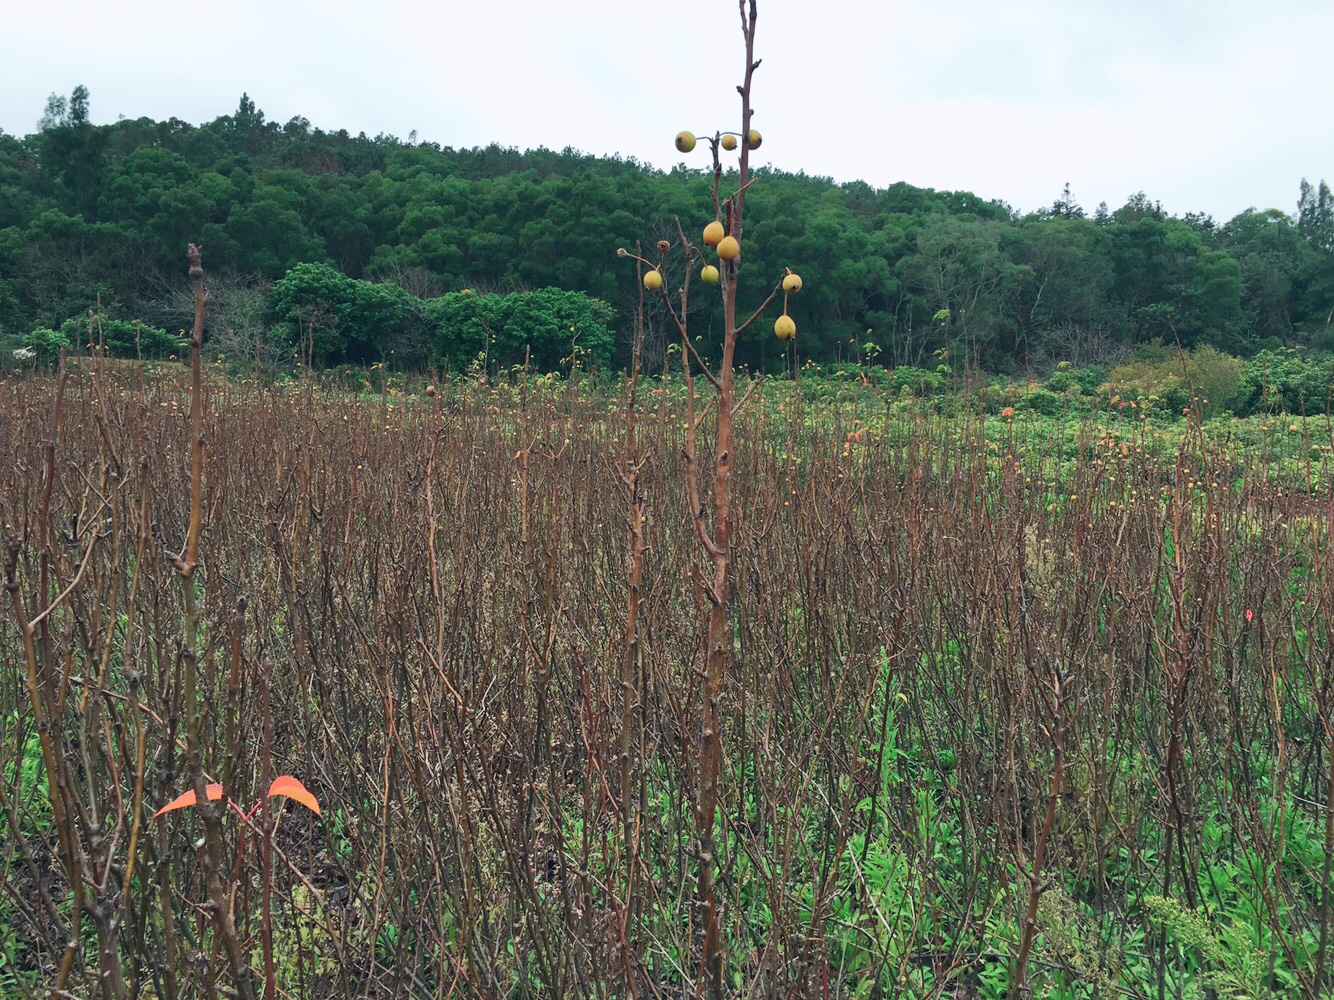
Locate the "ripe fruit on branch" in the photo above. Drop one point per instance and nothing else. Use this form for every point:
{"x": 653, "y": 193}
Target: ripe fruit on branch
{"x": 729, "y": 142}
{"x": 785, "y": 328}
{"x": 728, "y": 248}
{"x": 685, "y": 141}
{"x": 792, "y": 283}
{"x": 709, "y": 274}
{"x": 753, "y": 138}
{"x": 653, "y": 280}
{"x": 713, "y": 233}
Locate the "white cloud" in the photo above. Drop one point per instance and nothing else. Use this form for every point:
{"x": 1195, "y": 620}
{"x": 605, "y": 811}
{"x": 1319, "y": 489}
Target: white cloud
{"x": 1206, "y": 105}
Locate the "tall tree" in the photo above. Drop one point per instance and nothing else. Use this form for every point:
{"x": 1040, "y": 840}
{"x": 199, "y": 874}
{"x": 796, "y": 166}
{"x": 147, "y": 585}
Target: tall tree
{"x": 1065, "y": 207}
{"x": 961, "y": 275}
{"x": 1315, "y": 215}
{"x": 1271, "y": 253}
{"x": 1069, "y": 275}
{"x": 1315, "y": 222}
{"x": 73, "y": 154}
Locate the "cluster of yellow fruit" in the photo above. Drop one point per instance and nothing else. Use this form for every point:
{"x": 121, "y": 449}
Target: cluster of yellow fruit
{"x": 727, "y": 246}
{"x": 685, "y": 141}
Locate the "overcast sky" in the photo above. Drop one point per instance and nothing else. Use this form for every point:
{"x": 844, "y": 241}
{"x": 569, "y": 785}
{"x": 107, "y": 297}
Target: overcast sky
{"x": 1205, "y": 105}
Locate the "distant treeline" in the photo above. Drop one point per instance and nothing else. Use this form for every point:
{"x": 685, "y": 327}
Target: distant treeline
{"x": 362, "y": 249}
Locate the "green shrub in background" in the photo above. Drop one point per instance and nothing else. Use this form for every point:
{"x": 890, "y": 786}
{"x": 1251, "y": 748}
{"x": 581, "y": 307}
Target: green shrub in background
{"x": 1159, "y": 383}
{"x": 341, "y": 320}
{"x": 1166, "y": 379}
{"x": 1216, "y": 378}
{"x": 463, "y": 325}
{"x": 124, "y": 338}
{"x": 1090, "y": 377}
{"x": 1063, "y": 379}
{"x": 993, "y": 397}
{"x": 919, "y": 381}
{"x": 1290, "y": 380}
{"x": 559, "y": 328}
{"x": 1084, "y": 381}
{"x": 850, "y": 371}
{"x": 1040, "y": 401}
{"x": 45, "y": 344}
{"x": 350, "y": 321}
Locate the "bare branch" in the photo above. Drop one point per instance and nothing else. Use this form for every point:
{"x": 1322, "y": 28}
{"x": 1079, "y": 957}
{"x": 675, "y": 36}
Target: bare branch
{"x": 750, "y": 391}
{"x": 763, "y": 306}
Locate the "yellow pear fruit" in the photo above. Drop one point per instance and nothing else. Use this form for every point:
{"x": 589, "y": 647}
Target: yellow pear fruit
{"x": 753, "y": 138}
{"x": 685, "y": 141}
{"x": 792, "y": 283}
{"x": 785, "y": 328}
{"x": 728, "y": 248}
{"x": 709, "y": 274}
{"x": 713, "y": 233}
{"x": 653, "y": 280}
{"x": 729, "y": 142}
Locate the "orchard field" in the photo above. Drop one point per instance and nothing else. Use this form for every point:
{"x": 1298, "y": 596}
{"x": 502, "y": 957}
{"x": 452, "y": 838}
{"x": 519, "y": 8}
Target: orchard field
{"x": 1005, "y": 690}
{"x": 635, "y": 653}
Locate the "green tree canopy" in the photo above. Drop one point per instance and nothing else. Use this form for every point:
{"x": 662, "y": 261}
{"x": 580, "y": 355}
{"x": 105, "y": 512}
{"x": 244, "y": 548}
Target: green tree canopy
{"x": 89, "y": 211}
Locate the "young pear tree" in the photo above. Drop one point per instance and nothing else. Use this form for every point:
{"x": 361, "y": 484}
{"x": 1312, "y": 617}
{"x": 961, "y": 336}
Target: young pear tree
{"x": 719, "y": 263}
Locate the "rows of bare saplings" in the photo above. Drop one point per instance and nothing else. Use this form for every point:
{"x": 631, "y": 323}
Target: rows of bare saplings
{"x": 966, "y": 724}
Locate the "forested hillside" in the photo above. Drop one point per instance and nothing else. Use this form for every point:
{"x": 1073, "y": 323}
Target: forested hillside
{"x": 386, "y": 250}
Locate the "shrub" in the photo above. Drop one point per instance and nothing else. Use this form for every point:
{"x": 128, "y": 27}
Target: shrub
{"x": 124, "y": 338}
{"x": 462, "y": 327}
{"x": 1216, "y": 378}
{"x": 847, "y": 374}
{"x": 45, "y": 344}
{"x": 557, "y": 326}
{"x": 1061, "y": 380}
{"x": 1041, "y": 401}
{"x": 1090, "y": 377}
{"x": 992, "y": 398}
{"x": 1290, "y": 380}
{"x": 1149, "y": 381}
{"x": 14, "y": 352}
{"x": 917, "y": 380}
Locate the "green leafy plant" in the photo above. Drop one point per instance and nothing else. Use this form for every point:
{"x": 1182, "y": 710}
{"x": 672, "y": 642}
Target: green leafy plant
{"x": 45, "y": 344}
